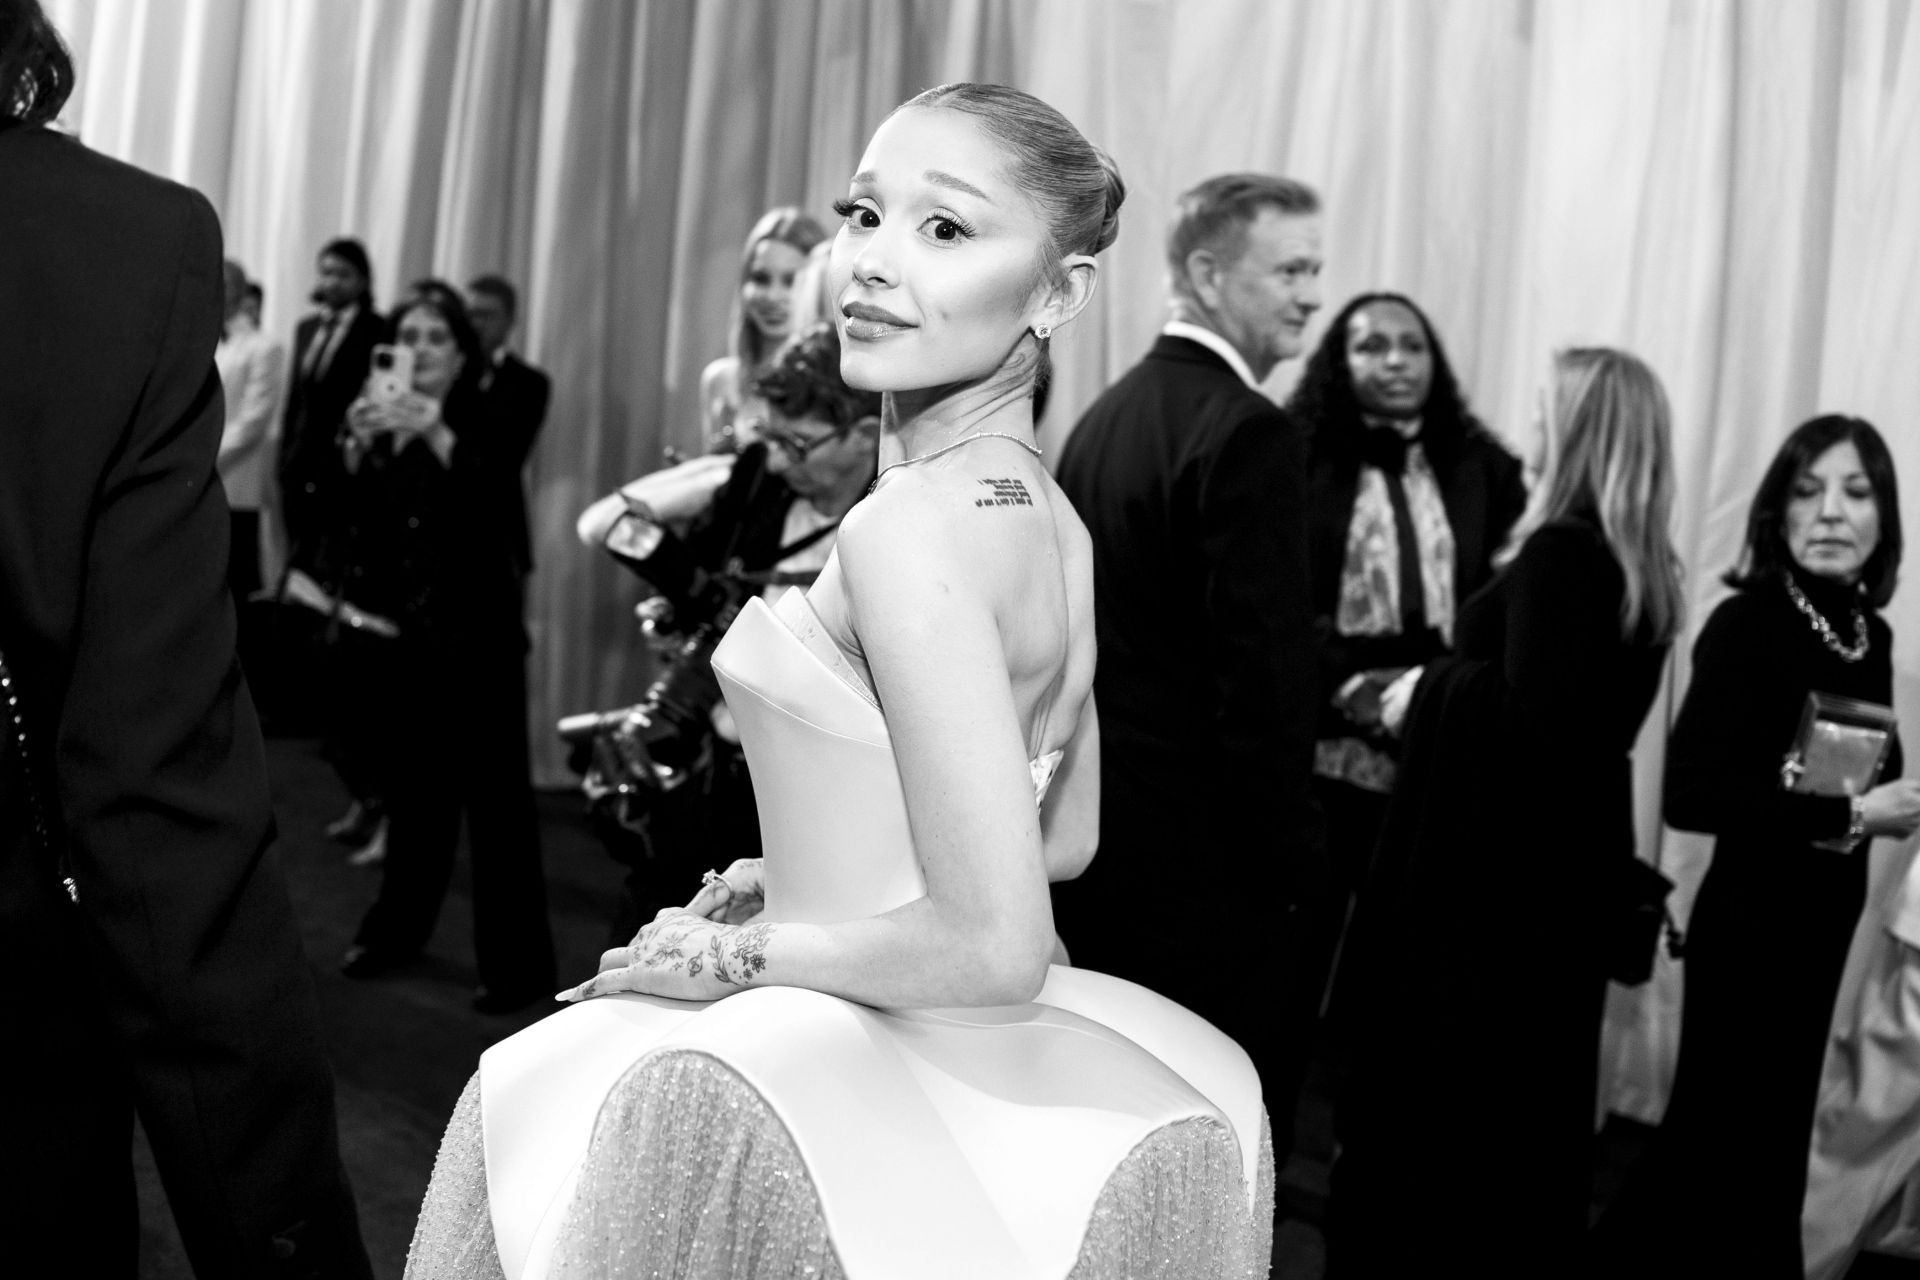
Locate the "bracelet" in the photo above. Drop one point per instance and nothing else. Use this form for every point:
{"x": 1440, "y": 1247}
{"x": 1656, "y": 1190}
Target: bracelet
{"x": 1856, "y": 820}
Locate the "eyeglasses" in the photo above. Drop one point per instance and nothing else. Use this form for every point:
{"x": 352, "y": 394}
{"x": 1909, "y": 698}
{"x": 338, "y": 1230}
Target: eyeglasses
{"x": 795, "y": 445}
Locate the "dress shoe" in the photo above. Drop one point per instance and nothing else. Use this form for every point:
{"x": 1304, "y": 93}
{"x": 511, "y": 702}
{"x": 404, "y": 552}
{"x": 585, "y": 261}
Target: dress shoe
{"x": 489, "y": 1001}
{"x": 374, "y": 851}
{"x": 362, "y": 962}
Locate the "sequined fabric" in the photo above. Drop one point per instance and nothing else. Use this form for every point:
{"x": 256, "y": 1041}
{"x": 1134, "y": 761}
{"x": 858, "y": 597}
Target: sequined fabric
{"x": 453, "y": 1239}
{"x": 690, "y": 1174}
{"x": 1177, "y": 1207}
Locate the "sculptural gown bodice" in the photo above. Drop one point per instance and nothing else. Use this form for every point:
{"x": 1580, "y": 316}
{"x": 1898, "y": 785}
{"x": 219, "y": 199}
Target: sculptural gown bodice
{"x": 940, "y": 1142}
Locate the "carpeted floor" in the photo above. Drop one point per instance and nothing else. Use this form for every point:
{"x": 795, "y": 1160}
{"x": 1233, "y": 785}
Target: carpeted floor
{"x": 404, "y": 1045}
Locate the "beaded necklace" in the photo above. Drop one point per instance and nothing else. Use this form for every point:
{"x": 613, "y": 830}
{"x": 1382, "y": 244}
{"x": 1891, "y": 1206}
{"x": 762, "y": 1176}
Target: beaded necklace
{"x": 948, "y": 448}
{"x": 1824, "y": 629}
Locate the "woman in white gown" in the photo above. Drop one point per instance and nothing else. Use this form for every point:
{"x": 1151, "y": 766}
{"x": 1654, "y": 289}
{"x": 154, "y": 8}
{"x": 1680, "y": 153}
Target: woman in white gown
{"x": 897, "y": 1081}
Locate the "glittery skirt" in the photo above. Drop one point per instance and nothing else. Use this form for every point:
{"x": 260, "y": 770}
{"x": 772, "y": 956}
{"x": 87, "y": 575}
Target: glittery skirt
{"x": 691, "y": 1170}
{"x": 691, "y": 1175}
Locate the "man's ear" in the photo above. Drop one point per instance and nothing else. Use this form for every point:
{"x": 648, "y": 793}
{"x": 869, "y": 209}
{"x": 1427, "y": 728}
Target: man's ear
{"x": 1070, "y": 296}
{"x": 1201, "y": 273}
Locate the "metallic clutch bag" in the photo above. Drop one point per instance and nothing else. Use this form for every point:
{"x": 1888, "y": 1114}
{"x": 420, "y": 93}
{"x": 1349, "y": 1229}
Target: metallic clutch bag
{"x": 1839, "y": 751}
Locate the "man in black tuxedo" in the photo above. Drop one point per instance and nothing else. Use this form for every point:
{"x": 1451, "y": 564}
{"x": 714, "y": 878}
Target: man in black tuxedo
{"x": 1193, "y": 485}
{"x": 517, "y": 391}
{"x": 150, "y": 963}
{"x": 331, "y": 351}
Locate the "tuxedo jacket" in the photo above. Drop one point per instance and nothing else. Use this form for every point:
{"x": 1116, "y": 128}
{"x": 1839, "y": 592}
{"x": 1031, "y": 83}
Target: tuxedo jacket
{"x": 181, "y": 948}
{"x": 1193, "y": 487}
{"x": 311, "y": 473}
{"x": 518, "y": 396}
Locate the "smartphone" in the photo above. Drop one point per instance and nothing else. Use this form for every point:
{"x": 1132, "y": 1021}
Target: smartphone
{"x": 392, "y": 373}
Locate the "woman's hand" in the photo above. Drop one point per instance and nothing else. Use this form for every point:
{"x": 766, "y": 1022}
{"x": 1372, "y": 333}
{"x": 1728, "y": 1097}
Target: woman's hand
{"x": 734, "y": 897}
{"x": 412, "y": 415}
{"x": 1396, "y": 698}
{"x": 1892, "y": 809}
{"x": 682, "y": 956}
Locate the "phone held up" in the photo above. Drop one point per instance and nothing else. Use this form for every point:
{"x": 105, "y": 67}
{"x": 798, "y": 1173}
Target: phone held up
{"x": 392, "y": 374}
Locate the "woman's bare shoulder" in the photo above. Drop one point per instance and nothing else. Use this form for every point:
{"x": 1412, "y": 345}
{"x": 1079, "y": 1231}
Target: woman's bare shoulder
{"x": 721, "y": 377}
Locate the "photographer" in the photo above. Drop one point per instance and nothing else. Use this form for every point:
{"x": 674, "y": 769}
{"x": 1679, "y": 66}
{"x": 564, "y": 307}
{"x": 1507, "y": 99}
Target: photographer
{"x": 707, "y": 535}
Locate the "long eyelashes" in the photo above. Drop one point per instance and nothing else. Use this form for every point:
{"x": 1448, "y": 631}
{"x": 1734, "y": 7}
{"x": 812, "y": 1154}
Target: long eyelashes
{"x": 850, "y": 211}
{"x": 948, "y": 219}
{"x": 847, "y": 209}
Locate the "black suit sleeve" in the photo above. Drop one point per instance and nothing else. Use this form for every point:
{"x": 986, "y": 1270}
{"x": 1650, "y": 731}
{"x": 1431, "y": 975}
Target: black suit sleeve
{"x": 162, "y": 789}
{"x": 526, "y": 413}
{"x": 1261, "y": 647}
{"x": 1723, "y": 763}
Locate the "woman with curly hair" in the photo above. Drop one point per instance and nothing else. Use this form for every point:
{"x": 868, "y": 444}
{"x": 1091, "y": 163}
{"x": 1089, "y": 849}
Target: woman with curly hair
{"x": 1410, "y": 498}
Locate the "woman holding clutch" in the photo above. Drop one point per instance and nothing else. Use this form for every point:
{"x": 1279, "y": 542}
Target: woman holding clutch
{"x": 1479, "y": 945}
{"x": 1720, "y": 1193}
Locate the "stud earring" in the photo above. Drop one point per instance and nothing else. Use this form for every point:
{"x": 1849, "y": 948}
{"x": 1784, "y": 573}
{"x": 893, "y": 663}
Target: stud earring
{"x": 1043, "y": 331}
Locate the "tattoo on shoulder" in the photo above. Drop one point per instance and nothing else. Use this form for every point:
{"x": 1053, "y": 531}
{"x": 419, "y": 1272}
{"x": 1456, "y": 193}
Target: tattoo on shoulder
{"x": 1005, "y": 493}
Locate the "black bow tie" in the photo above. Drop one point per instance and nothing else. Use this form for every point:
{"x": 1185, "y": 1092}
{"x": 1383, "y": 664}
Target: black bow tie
{"x": 1385, "y": 448}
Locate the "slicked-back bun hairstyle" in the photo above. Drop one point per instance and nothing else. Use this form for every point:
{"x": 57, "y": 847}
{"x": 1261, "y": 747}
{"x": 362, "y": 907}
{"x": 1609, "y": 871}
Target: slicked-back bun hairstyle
{"x": 1074, "y": 183}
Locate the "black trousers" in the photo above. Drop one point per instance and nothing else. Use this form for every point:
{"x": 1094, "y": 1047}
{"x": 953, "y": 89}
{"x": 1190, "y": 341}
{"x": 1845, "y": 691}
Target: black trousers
{"x": 452, "y": 744}
{"x": 217, "y": 1052}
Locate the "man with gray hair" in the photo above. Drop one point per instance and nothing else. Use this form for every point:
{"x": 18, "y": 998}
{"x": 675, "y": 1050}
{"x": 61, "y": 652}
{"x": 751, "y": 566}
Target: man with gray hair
{"x": 1193, "y": 485}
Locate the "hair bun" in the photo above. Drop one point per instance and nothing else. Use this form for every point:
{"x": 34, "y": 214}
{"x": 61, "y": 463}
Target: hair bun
{"x": 1116, "y": 196}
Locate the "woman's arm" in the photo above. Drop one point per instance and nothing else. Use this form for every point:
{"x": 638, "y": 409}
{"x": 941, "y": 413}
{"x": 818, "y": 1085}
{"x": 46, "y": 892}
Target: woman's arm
{"x": 1723, "y": 759}
{"x": 1070, "y": 819}
{"x": 921, "y": 587}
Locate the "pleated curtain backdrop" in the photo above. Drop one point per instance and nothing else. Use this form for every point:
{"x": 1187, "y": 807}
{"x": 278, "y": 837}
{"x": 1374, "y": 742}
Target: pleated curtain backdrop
{"x": 1730, "y": 189}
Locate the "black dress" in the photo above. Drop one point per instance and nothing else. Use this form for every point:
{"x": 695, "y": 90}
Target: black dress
{"x": 1478, "y": 970}
{"x": 1721, "y": 1190}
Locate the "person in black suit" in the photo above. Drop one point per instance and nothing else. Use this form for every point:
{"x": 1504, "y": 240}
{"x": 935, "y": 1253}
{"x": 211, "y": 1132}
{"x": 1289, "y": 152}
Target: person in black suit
{"x": 1409, "y": 499}
{"x": 164, "y": 979}
{"x": 1483, "y": 941}
{"x": 432, "y": 477}
{"x": 331, "y": 348}
{"x": 1193, "y": 485}
{"x": 520, "y": 392}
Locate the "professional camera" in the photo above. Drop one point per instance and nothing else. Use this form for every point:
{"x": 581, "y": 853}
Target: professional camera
{"x": 630, "y": 756}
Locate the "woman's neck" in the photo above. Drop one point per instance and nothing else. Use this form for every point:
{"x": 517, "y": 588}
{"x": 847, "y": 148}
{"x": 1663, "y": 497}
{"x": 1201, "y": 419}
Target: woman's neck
{"x": 1408, "y": 427}
{"x": 914, "y": 423}
{"x": 1834, "y": 597}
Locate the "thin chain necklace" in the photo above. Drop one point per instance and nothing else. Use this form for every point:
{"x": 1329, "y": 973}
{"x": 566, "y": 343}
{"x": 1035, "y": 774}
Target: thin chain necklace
{"x": 948, "y": 448}
{"x": 1822, "y": 628}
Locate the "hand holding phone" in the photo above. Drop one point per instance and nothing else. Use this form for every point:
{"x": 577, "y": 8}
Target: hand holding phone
{"x": 391, "y": 376}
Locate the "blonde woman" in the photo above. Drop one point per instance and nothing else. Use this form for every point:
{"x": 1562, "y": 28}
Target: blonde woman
{"x": 1481, "y": 950}
{"x": 775, "y": 251}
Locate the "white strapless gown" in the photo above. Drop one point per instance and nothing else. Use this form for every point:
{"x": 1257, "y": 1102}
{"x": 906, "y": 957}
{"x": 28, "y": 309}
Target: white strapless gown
{"x": 1100, "y": 1131}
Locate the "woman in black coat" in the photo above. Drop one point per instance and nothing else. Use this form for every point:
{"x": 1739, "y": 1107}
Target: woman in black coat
{"x": 1480, "y": 943}
{"x": 1409, "y": 499}
{"x": 434, "y": 484}
{"x": 1721, "y": 1190}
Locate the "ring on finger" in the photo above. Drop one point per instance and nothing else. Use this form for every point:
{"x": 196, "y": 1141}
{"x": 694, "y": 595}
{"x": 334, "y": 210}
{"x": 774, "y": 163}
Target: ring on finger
{"x": 714, "y": 877}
